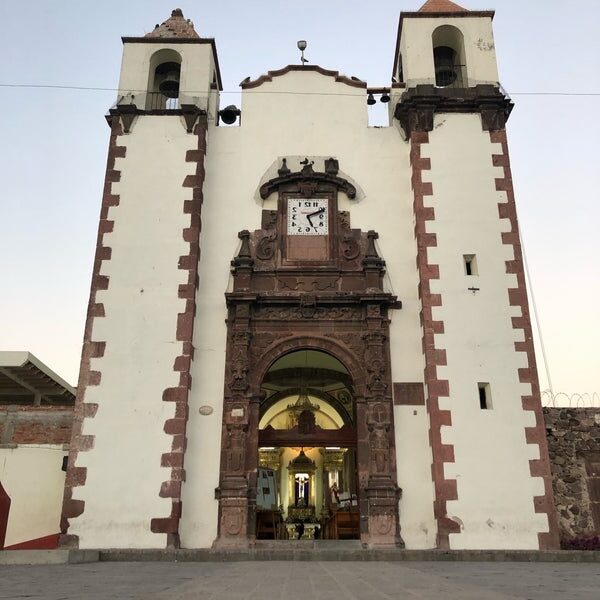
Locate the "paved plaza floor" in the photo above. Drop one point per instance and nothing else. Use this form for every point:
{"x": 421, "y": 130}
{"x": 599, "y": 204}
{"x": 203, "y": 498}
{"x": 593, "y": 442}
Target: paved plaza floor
{"x": 302, "y": 580}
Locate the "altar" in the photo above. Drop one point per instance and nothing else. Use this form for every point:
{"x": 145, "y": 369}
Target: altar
{"x": 312, "y": 531}
{"x": 301, "y": 513}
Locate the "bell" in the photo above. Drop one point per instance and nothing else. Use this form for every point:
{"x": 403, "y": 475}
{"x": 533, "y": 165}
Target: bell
{"x": 445, "y": 70}
{"x": 169, "y": 86}
{"x": 371, "y": 100}
{"x": 167, "y": 77}
{"x": 385, "y": 98}
{"x": 229, "y": 114}
{"x": 445, "y": 76}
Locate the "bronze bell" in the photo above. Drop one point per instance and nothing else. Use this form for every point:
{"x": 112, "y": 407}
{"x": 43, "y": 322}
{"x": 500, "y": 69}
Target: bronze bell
{"x": 229, "y": 114}
{"x": 169, "y": 86}
{"x": 167, "y": 76}
{"x": 445, "y": 69}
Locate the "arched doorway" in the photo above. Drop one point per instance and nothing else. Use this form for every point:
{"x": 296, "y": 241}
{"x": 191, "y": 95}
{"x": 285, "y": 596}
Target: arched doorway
{"x": 307, "y": 484}
{"x": 369, "y": 434}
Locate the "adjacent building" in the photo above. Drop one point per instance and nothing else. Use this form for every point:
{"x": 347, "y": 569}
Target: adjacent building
{"x": 36, "y": 415}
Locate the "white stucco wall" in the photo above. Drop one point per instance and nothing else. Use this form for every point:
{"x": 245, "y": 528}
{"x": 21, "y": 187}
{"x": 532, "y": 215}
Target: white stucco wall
{"x": 300, "y": 114}
{"x": 33, "y": 478}
{"x": 418, "y": 526}
{"x": 124, "y": 475}
{"x": 495, "y": 490}
{"x": 416, "y": 47}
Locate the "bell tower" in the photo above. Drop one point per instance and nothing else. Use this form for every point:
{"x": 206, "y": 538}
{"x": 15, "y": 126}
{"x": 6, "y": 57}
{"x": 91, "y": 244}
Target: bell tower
{"x": 490, "y": 466}
{"x": 126, "y": 464}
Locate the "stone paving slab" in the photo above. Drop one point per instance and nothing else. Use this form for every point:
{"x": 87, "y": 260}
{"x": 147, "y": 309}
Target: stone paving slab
{"x": 306, "y": 580}
{"x": 47, "y": 557}
{"x": 34, "y": 557}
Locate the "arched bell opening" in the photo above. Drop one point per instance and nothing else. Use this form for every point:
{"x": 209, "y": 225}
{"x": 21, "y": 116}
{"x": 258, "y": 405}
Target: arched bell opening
{"x": 307, "y": 485}
{"x": 449, "y": 57}
{"x": 164, "y": 80}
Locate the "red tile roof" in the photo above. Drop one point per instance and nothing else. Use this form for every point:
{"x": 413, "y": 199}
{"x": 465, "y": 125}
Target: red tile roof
{"x": 174, "y": 27}
{"x": 442, "y": 6}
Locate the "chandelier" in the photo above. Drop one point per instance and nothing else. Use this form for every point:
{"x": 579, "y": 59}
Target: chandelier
{"x": 301, "y": 405}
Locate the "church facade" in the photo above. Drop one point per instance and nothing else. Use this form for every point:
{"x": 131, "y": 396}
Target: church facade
{"x": 303, "y": 326}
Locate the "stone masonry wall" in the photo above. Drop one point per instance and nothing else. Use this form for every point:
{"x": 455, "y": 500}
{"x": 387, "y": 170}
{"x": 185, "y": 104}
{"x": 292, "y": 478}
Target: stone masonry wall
{"x": 35, "y": 424}
{"x": 574, "y": 446}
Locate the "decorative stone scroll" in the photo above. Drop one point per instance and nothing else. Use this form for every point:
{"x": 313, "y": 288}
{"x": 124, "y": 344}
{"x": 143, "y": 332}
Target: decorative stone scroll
{"x": 307, "y": 180}
{"x": 265, "y": 248}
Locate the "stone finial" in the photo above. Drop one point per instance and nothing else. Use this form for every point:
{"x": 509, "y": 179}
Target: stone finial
{"x": 371, "y": 250}
{"x": 332, "y": 167}
{"x": 176, "y": 26}
{"x": 441, "y": 6}
{"x": 284, "y": 170}
{"x": 244, "y": 257}
{"x": 372, "y": 260}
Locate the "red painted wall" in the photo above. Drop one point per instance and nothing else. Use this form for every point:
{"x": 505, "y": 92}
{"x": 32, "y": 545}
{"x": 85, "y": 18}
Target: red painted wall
{"x": 4, "y": 510}
{"x": 50, "y": 542}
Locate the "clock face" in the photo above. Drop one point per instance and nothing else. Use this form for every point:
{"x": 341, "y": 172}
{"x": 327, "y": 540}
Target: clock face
{"x": 308, "y": 217}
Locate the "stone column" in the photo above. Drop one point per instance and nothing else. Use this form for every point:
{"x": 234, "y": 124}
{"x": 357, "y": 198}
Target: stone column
{"x": 381, "y": 492}
{"x": 240, "y": 431}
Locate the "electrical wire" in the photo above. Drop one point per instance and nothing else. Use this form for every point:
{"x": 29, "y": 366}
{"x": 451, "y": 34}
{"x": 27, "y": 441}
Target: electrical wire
{"x": 535, "y": 312}
{"x": 110, "y": 89}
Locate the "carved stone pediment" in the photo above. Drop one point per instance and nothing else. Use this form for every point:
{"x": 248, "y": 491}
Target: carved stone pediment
{"x": 306, "y": 182}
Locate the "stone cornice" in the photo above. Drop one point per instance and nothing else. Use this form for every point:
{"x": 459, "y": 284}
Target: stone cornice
{"x": 417, "y": 106}
{"x": 353, "y": 82}
{"x": 127, "y": 113}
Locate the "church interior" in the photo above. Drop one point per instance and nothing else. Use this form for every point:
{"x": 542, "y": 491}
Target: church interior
{"x": 307, "y": 479}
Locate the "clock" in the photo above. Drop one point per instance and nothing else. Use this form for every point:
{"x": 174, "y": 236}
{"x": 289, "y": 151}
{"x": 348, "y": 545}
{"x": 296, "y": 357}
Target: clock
{"x": 307, "y": 217}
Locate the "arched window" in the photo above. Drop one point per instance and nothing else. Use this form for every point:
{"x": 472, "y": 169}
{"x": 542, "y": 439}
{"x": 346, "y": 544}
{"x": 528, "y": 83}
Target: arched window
{"x": 163, "y": 80}
{"x": 449, "y": 57}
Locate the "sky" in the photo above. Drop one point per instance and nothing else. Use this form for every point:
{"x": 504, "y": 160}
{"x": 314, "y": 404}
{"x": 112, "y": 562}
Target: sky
{"x": 53, "y": 144}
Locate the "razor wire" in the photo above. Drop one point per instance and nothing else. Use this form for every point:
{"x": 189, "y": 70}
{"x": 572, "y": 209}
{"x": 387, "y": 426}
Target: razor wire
{"x": 565, "y": 400}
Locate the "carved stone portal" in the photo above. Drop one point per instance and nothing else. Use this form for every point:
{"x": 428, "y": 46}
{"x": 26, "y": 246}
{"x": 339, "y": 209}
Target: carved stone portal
{"x": 336, "y": 304}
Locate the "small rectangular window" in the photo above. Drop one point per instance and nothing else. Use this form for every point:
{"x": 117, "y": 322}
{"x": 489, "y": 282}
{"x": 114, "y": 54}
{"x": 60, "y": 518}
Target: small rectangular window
{"x": 470, "y": 262}
{"x": 485, "y": 396}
